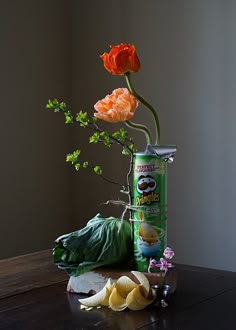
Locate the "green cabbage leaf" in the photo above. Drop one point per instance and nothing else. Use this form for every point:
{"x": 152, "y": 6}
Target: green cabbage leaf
{"x": 103, "y": 241}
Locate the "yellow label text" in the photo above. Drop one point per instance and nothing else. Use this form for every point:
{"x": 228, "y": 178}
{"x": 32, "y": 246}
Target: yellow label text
{"x": 148, "y": 199}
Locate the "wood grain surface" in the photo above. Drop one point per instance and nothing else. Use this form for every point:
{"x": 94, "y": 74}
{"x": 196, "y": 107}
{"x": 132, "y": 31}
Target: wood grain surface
{"x": 26, "y": 272}
{"x": 34, "y": 297}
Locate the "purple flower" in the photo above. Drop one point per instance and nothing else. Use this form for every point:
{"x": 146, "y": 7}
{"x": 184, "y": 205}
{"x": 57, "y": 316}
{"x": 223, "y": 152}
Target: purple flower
{"x": 153, "y": 263}
{"x": 168, "y": 253}
{"x": 164, "y": 265}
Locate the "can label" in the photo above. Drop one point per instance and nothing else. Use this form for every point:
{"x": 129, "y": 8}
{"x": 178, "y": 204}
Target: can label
{"x": 150, "y": 209}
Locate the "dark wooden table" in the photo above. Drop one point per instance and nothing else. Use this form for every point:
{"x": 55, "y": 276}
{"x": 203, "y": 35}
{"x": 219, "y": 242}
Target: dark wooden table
{"x": 33, "y": 296}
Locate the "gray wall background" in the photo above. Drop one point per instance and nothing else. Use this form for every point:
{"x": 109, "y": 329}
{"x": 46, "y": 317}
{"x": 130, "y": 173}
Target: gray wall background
{"x": 51, "y": 49}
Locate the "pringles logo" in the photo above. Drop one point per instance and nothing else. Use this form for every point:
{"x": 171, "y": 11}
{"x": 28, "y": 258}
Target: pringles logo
{"x": 146, "y": 186}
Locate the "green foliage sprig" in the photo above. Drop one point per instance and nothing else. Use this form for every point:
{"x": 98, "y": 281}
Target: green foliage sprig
{"x": 98, "y": 135}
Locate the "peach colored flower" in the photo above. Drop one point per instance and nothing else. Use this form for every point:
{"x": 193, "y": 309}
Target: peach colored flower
{"x": 119, "y": 106}
{"x": 121, "y": 59}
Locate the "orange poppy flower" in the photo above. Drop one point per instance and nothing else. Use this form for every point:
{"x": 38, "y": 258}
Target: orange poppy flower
{"x": 121, "y": 59}
{"x": 119, "y": 106}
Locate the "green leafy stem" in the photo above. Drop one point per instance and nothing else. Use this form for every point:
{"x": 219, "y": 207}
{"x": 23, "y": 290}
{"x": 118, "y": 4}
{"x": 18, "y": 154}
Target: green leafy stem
{"x": 99, "y": 136}
{"x": 73, "y": 158}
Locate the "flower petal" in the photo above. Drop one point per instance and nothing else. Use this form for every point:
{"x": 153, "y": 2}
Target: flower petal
{"x": 117, "y": 107}
{"x": 121, "y": 59}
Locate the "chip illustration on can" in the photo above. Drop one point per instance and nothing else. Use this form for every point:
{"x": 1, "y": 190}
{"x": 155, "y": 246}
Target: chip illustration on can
{"x": 150, "y": 208}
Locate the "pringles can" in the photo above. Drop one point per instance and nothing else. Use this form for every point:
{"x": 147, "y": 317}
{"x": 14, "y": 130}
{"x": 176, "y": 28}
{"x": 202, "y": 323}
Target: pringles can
{"x": 149, "y": 216}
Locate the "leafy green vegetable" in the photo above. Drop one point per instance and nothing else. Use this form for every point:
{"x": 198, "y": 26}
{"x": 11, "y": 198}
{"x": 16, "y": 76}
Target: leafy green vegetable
{"x": 98, "y": 244}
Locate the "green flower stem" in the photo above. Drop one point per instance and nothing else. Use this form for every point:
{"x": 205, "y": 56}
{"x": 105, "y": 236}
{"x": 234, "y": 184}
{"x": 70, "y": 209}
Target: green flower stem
{"x": 142, "y": 128}
{"x": 144, "y": 102}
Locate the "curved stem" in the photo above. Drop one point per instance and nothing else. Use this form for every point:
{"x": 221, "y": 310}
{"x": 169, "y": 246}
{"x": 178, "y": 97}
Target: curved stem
{"x": 144, "y": 102}
{"x": 142, "y": 128}
{"x": 107, "y": 180}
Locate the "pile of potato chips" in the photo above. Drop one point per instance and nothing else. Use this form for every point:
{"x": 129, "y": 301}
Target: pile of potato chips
{"x": 122, "y": 294}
